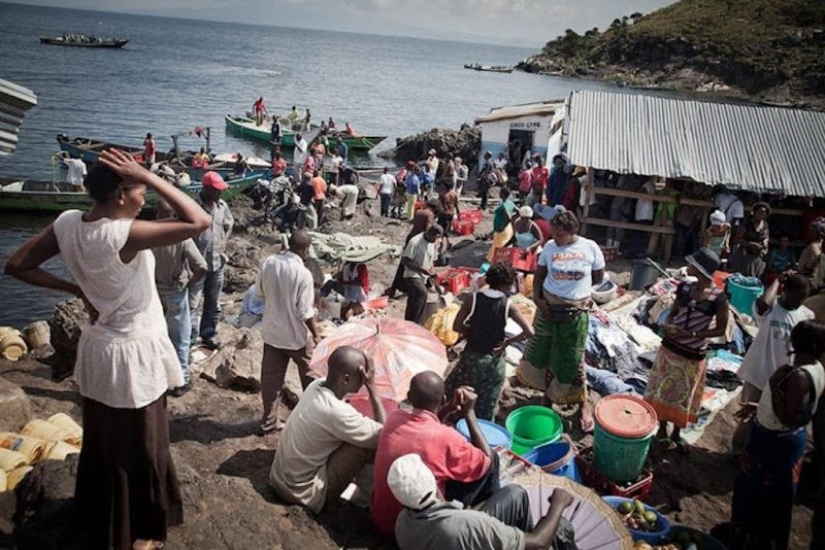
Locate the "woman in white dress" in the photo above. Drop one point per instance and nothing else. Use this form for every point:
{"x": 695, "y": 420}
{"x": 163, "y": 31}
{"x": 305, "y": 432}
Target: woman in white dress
{"x": 126, "y": 488}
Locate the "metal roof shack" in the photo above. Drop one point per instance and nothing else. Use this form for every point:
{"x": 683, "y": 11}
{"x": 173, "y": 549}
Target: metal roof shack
{"x": 14, "y": 102}
{"x": 748, "y": 147}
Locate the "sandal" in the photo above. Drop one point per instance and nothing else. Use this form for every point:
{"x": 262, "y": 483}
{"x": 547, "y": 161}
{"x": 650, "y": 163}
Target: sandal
{"x": 682, "y": 446}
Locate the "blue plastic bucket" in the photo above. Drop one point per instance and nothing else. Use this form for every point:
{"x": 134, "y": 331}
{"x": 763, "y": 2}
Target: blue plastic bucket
{"x": 557, "y": 458}
{"x": 743, "y": 297}
{"x": 497, "y": 436}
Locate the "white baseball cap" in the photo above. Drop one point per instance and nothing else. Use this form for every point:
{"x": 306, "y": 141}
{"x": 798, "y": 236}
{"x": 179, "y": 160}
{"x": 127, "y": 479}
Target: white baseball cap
{"x": 412, "y": 482}
{"x": 717, "y": 218}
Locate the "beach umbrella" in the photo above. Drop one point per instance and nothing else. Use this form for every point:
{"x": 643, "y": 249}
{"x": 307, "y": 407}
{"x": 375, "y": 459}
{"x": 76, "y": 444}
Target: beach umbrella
{"x": 399, "y": 349}
{"x": 596, "y": 524}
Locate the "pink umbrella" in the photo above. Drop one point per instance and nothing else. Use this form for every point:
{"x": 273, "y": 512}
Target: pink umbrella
{"x": 399, "y": 350}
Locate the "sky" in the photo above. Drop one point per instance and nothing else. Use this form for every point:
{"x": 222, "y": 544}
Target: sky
{"x": 527, "y": 23}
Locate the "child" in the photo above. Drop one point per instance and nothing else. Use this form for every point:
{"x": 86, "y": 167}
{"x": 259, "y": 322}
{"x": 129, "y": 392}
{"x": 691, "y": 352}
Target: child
{"x": 448, "y": 207}
{"x": 717, "y": 236}
{"x": 354, "y": 285}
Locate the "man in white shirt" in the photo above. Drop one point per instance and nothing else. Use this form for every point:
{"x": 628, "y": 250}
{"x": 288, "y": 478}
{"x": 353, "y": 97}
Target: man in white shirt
{"x": 776, "y": 318}
{"x": 326, "y": 442}
{"x": 644, "y": 215}
{"x": 299, "y": 155}
{"x": 730, "y": 205}
{"x": 386, "y": 188}
{"x": 288, "y": 324}
{"x": 418, "y": 261}
{"x": 76, "y": 173}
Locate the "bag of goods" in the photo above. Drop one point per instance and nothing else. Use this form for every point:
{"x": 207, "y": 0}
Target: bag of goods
{"x": 14, "y": 477}
{"x": 525, "y": 305}
{"x": 44, "y": 430}
{"x": 68, "y": 425}
{"x": 60, "y": 450}
{"x": 2, "y": 481}
{"x": 9, "y": 460}
{"x": 440, "y": 324}
{"x": 30, "y": 447}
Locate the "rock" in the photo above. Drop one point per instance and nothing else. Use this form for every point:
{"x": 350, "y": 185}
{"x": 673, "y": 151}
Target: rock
{"x": 66, "y": 326}
{"x": 237, "y": 365}
{"x": 461, "y": 143}
{"x": 44, "y": 515}
{"x": 244, "y": 260}
{"x": 15, "y": 408}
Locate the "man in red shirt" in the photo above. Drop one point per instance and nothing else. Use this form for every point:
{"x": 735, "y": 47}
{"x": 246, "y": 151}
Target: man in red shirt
{"x": 539, "y": 181}
{"x": 278, "y": 165}
{"x": 465, "y": 471}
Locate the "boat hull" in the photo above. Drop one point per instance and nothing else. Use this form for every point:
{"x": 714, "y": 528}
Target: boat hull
{"x": 41, "y": 196}
{"x": 77, "y": 44}
{"x": 246, "y": 127}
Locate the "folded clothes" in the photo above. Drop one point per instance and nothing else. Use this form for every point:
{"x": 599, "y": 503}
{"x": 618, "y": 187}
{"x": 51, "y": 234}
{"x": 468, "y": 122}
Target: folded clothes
{"x": 607, "y": 383}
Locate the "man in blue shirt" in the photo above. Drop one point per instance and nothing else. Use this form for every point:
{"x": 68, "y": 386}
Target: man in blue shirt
{"x": 341, "y": 148}
{"x": 427, "y": 181}
{"x": 413, "y": 189}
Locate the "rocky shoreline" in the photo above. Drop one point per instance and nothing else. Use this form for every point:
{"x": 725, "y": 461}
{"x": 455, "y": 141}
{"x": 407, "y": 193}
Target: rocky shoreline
{"x": 224, "y": 467}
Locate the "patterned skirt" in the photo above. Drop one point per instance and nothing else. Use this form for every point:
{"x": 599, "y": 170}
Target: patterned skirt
{"x": 484, "y": 372}
{"x": 675, "y": 387}
{"x": 556, "y": 354}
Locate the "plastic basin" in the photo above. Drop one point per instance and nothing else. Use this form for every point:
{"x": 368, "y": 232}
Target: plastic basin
{"x": 743, "y": 297}
{"x": 557, "y": 458}
{"x": 625, "y": 425}
{"x": 532, "y": 426}
{"x": 663, "y": 528}
{"x": 495, "y": 435}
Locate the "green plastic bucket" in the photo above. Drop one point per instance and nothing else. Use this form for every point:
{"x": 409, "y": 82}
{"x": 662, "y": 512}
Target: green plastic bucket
{"x": 532, "y": 426}
{"x": 625, "y": 425}
{"x": 743, "y": 297}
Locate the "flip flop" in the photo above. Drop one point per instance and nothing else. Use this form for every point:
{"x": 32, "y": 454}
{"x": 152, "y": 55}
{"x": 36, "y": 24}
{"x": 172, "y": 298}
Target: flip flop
{"x": 682, "y": 446}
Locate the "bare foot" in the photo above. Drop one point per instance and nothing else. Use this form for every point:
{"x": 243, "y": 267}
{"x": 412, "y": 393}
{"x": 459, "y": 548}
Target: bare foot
{"x": 587, "y": 418}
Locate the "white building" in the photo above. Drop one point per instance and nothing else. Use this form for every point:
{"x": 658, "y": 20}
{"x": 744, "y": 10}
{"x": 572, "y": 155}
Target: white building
{"x": 536, "y": 127}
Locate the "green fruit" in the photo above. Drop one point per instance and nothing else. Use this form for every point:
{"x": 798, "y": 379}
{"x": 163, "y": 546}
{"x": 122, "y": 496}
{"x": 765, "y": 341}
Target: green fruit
{"x": 651, "y": 517}
{"x": 625, "y": 508}
{"x": 640, "y": 508}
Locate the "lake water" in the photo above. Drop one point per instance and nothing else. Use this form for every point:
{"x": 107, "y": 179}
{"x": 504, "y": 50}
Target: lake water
{"x": 177, "y": 74}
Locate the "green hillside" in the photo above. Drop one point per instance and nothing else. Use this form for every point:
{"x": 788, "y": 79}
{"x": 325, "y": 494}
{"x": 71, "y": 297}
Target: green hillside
{"x": 771, "y": 50}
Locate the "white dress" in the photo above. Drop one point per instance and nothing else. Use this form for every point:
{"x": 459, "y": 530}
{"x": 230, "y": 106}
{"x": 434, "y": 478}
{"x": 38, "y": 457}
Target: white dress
{"x": 125, "y": 359}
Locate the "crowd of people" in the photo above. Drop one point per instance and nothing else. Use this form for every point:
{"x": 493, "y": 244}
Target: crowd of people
{"x": 153, "y": 289}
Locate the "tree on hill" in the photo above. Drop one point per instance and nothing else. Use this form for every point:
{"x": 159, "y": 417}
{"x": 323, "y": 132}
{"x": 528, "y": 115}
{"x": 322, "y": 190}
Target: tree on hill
{"x": 634, "y": 17}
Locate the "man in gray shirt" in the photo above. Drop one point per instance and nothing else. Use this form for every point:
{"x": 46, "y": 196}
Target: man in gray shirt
{"x": 212, "y": 245}
{"x": 503, "y": 522}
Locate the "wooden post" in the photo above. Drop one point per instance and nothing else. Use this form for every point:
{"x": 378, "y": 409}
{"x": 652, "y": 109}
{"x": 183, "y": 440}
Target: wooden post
{"x": 588, "y": 186}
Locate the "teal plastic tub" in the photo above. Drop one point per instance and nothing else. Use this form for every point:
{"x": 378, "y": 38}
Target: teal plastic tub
{"x": 532, "y": 426}
{"x": 743, "y": 297}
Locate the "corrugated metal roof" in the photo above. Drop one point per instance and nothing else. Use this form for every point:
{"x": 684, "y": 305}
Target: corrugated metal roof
{"x": 14, "y": 102}
{"x": 765, "y": 149}
{"x": 544, "y": 108}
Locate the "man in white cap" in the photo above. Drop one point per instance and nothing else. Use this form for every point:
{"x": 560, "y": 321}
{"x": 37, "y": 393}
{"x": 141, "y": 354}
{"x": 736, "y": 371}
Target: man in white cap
{"x": 504, "y": 521}
{"x": 212, "y": 246}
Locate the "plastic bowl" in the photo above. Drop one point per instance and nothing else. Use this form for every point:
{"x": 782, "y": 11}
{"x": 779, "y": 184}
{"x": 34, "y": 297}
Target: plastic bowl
{"x": 654, "y": 537}
{"x": 532, "y": 426}
{"x": 496, "y": 435}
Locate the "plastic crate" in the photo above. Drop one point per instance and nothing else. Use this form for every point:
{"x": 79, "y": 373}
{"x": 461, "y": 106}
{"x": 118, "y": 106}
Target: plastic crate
{"x": 474, "y": 216}
{"x": 610, "y": 253}
{"x": 464, "y": 227}
{"x": 517, "y": 258}
{"x": 453, "y": 280}
{"x": 603, "y": 485}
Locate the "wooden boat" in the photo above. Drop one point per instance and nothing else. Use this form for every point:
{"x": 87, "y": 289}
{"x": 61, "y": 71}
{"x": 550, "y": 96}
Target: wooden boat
{"x": 489, "y": 68}
{"x": 88, "y": 150}
{"x": 82, "y": 41}
{"x": 25, "y": 195}
{"x": 245, "y": 126}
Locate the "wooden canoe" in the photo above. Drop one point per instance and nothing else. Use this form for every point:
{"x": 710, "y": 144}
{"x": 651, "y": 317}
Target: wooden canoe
{"x": 103, "y": 43}
{"x": 25, "y": 195}
{"x": 246, "y": 127}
